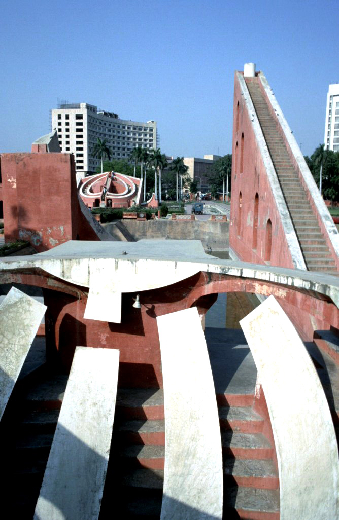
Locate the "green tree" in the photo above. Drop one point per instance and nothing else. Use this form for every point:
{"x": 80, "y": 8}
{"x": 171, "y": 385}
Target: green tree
{"x": 193, "y": 187}
{"x": 100, "y": 150}
{"x": 222, "y": 169}
{"x": 324, "y": 165}
{"x": 120, "y": 166}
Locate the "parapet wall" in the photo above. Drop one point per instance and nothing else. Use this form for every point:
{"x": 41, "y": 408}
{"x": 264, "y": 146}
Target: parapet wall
{"x": 213, "y": 234}
{"x": 41, "y": 203}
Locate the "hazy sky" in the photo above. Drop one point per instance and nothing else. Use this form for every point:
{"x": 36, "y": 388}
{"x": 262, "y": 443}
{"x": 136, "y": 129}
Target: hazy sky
{"x": 168, "y": 60}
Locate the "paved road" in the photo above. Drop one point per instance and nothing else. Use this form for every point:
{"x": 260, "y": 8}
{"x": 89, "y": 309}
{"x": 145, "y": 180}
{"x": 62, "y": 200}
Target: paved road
{"x": 210, "y": 208}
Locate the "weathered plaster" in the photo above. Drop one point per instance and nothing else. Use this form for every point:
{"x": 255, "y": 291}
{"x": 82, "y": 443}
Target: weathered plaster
{"x": 132, "y": 267}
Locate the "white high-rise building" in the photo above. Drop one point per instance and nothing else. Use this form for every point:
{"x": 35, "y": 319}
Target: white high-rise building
{"x": 79, "y": 125}
{"x": 331, "y": 138}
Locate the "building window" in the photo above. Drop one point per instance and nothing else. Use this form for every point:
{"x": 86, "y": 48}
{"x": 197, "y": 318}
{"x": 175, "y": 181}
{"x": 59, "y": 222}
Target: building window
{"x": 67, "y": 149}
{"x": 79, "y": 123}
{"x": 67, "y": 116}
{"x": 80, "y": 155}
{"x": 79, "y": 116}
{"x": 59, "y": 116}
{"x": 79, "y": 142}
{"x": 67, "y": 142}
{"x": 79, "y": 149}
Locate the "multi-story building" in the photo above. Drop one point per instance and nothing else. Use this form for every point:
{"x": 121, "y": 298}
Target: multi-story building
{"x": 200, "y": 170}
{"x": 331, "y": 138}
{"x": 79, "y": 125}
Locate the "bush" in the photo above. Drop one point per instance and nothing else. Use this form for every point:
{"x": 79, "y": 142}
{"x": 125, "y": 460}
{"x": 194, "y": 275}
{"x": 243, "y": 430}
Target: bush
{"x": 163, "y": 210}
{"x": 110, "y": 214}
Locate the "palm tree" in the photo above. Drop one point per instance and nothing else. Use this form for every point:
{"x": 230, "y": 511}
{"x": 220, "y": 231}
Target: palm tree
{"x": 134, "y": 158}
{"x": 143, "y": 156}
{"x": 146, "y": 163}
{"x": 159, "y": 162}
{"x": 101, "y": 149}
{"x": 180, "y": 168}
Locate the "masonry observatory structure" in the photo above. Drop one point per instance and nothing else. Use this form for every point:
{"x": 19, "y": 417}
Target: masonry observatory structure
{"x": 118, "y": 399}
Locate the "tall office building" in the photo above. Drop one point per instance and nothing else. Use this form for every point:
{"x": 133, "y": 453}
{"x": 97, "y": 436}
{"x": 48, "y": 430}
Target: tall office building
{"x": 79, "y": 125}
{"x": 331, "y": 138}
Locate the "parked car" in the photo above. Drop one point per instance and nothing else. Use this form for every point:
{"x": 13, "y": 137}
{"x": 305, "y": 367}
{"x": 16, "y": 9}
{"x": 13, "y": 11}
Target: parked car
{"x": 198, "y": 209}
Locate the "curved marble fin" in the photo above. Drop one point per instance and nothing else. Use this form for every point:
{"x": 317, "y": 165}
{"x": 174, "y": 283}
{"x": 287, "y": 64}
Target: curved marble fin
{"x": 301, "y": 421}
{"x": 193, "y": 487}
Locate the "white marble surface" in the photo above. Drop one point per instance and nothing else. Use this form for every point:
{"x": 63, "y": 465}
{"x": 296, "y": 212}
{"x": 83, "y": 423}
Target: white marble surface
{"x": 193, "y": 480}
{"x": 74, "y": 480}
{"x": 301, "y": 421}
{"x": 20, "y": 317}
{"x": 123, "y": 267}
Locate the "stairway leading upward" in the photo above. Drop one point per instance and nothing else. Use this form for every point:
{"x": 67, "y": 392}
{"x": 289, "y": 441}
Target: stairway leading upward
{"x": 313, "y": 245}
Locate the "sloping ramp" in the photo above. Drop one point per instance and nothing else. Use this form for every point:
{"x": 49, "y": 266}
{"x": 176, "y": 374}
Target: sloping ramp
{"x": 76, "y": 470}
{"x": 315, "y": 250}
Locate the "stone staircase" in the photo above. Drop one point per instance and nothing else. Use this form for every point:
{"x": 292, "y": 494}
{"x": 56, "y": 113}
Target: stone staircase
{"x": 135, "y": 473}
{"x": 137, "y": 459}
{"x": 134, "y": 481}
{"x": 313, "y": 245}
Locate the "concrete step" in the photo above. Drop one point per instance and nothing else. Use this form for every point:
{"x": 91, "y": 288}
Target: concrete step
{"x": 44, "y": 421}
{"x": 139, "y": 403}
{"x": 255, "y": 504}
{"x": 260, "y": 474}
{"x": 314, "y": 242}
{"x": 240, "y": 419}
{"x": 315, "y": 250}
{"x": 319, "y": 261}
{"x": 301, "y": 219}
{"x": 46, "y": 394}
{"x": 309, "y": 235}
{"x": 150, "y": 457}
{"x": 246, "y": 445}
{"x": 321, "y": 268}
{"x": 142, "y": 432}
{"x": 314, "y": 255}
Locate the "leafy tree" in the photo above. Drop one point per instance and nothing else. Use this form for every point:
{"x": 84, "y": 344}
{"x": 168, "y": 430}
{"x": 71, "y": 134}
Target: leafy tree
{"x": 324, "y": 165}
{"x": 100, "y": 150}
{"x": 120, "y": 166}
{"x": 193, "y": 187}
{"x": 222, "y": 169}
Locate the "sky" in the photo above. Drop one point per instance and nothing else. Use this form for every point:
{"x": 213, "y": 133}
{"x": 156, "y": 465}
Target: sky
{"x": 165, "y": 60}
